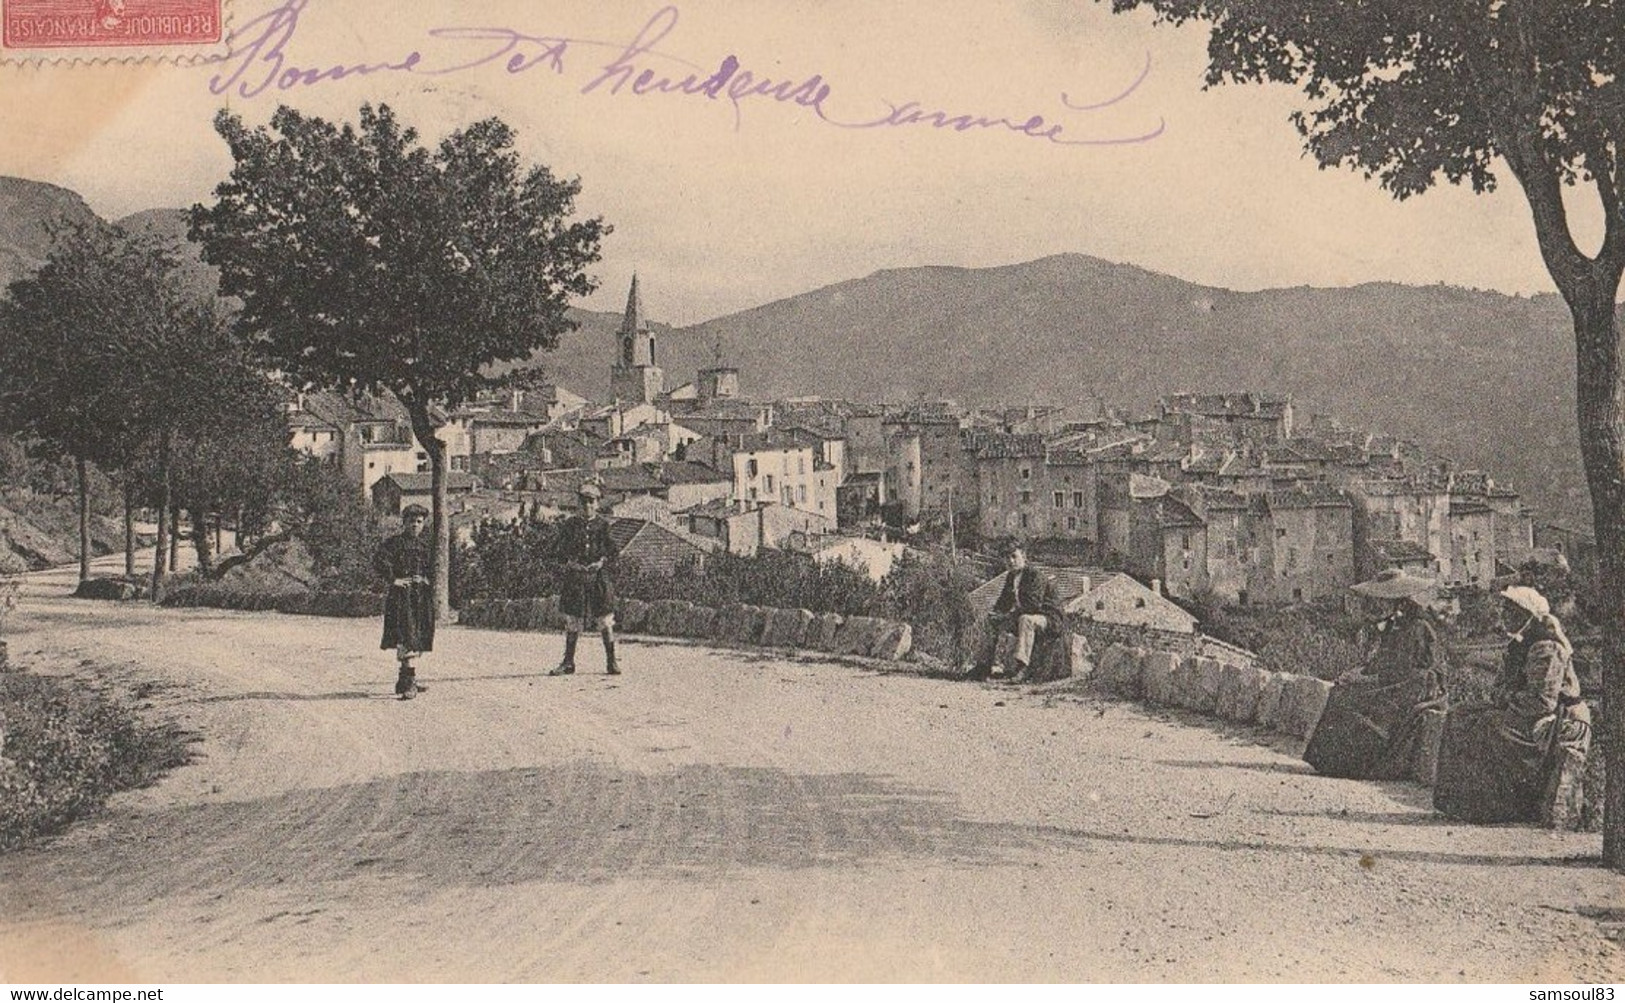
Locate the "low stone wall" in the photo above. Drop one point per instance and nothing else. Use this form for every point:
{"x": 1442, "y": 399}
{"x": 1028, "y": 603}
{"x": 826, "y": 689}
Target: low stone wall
{"x": 1280, "y": 701}
{"x": 744, "y": 626}
{"x": 1104, "y": 635}
{"x": 345, "y": 604}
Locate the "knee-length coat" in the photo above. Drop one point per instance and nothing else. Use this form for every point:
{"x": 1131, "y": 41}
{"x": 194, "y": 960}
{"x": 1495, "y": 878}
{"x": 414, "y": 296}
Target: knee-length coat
{"x": 588, "y": 593}
{"x": 405, "y": 562}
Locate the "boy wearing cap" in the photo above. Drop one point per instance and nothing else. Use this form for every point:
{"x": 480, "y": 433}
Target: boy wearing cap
{"x": 405, "y": 561}
{"x": 588, "y": 595}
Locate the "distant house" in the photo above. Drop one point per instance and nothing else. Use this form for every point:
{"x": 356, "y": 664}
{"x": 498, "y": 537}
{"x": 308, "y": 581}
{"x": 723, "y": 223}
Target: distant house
{"x": 745, "y": 528}
{"x": 648, "y": 548}
{"x": 869, "y": 556}
{"x": 394, "y": 492}
{"x": 1108, "y": 597}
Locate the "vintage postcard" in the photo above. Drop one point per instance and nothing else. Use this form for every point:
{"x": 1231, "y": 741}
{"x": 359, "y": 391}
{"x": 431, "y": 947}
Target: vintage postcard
{"x": 736, "y": 491}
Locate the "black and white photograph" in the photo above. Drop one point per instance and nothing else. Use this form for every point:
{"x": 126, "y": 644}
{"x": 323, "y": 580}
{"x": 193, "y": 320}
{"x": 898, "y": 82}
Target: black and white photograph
{"x": 833, "y": 491}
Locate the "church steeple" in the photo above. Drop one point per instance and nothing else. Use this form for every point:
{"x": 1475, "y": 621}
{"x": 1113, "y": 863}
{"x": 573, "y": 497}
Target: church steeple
{"x": 634, "y": 376}
{"x": 637, "y": 342}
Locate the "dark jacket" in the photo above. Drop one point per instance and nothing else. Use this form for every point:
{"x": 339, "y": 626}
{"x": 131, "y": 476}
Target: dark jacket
{"x": 1031, "y": 591}
{"x": 408, "y": 607}
{"x": 588, "y": 594}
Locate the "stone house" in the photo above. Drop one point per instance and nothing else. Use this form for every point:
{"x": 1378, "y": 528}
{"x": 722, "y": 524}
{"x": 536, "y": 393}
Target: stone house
{"x": 1313, "y": 543}
{"x": 654, "y": 549}
{"x": 395, "y": 491}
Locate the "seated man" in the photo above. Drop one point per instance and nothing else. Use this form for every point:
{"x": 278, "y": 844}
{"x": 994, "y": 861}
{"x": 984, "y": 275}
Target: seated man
{"x": 1029, "y": 608}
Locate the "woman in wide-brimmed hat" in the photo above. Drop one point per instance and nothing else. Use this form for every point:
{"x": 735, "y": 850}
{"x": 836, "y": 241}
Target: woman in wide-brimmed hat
{"x": 1520, "y": 756}
{"x": 1372, "y": 725}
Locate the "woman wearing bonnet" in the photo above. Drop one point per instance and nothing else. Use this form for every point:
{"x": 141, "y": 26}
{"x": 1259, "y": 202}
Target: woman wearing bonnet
{"x": 1520, "y": 756}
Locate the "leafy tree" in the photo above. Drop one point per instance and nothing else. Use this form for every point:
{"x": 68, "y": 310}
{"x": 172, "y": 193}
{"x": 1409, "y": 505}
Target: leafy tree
{"x": 1414, "y": 93}
{"x": 74, "y": 340}
{"x": 366, "y": 261}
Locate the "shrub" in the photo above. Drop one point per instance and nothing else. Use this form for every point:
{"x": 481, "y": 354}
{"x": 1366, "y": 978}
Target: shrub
{"x": 69, "y": 749}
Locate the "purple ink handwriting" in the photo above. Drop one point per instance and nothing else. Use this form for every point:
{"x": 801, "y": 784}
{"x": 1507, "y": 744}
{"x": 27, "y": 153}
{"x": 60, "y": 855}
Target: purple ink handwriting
{"x": 260, "y": 62}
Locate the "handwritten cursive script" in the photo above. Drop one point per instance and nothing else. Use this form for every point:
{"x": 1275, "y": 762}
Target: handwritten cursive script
{"x": 259, "y": 62}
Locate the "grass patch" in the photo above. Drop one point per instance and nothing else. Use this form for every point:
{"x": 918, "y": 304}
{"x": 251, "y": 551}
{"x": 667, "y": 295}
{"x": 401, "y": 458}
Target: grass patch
{"x": 68, "y": 748}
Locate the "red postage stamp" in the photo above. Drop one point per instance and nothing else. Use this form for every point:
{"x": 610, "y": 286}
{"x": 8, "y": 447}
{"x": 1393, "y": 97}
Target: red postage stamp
{"x": 47, "y": 28}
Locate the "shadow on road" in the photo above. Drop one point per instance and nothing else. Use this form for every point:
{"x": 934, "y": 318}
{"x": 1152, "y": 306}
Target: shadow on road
{"x": 581, "y": 822}
{"x": 272, "y": 695}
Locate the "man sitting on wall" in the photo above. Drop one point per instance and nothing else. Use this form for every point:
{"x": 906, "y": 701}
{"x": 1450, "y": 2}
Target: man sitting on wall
{"x": 1028, "y": 607}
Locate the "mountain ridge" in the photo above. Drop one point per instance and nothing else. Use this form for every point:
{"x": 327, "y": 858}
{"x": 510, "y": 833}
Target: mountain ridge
{"x": 1483, "y": 377}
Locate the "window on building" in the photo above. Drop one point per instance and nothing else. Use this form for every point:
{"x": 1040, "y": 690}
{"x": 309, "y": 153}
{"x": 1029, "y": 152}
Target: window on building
{"x": 1077, "y": 499}
{"x": 1139, "y": 602}
{"x": 1060, "y": 499}
{"x": 801, "y": 464}
{"x": 1023, "y": 520}
{"x": 750, "y": 467}
{"x": 801, "y": 493}
{"x": 1072, "y": 522}
{"x": 1100, "y": 604}
{"x": 1026, "y": 498}
{"x": 1297, "y": 595}
{"x": 769, "y": 483}
{"x": 752, "y": 494}
{"x": 1184, "y": 541}
{"x": 1026, "y": 473}
{"x": 1280, "y": 531}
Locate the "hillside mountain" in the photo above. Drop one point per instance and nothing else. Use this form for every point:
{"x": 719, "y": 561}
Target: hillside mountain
{"x": 1484, "y": 378}
{"x": 28, "y": 210}
{"x": 1481, "y": 377}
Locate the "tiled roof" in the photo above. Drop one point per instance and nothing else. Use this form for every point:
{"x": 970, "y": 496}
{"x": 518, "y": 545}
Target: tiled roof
{"x": 1011, "y": 447}
{"x": 456, "y": 480}
{"x": 1309, "y": 494}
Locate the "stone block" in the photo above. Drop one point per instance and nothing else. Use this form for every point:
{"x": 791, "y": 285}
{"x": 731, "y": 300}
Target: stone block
{"x": 666, "y": 617}
{"x": 1239, "y": 689}
{"x": 535, "y": 614}
{"x": 726, "y": 622}
{"x": 893, "y": 641}
{"x": 786, "y": 628}
{"x": 1158, "y": 677}
{"x": 1301, "y": 703}
{"x": 823, "y": 631}
{"x": 747, "y": 626}
{"x": 1270, "y": 693}
{"x": 1080, "y": 657}
{"x": 857, "y": 635}
{"x": 702, "y": 621}
{"x": 633, "y": 616}
{"x": 1201, "y": 676}
{"x": 1430, "y": 735}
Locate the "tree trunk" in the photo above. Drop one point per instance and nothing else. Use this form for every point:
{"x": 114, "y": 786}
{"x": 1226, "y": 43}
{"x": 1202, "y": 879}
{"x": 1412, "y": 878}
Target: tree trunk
{"x": 174, "y": 536}
{"x": 83, "y": 470}
{"x": 200, "y": 542}
{"x": 162, "y": 549}
{"x": 1601, "y": 413}
{"x": 432, "y": 444}
{"x": 129, "y": 528}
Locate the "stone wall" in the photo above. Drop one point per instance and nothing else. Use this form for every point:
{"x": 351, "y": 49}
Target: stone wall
{"x": 1104, "y": 635}
{"x": 1279, "y": 701}
{"x": 746, "y": 626}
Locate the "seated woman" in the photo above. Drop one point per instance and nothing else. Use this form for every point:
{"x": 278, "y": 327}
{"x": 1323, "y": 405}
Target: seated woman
{"x": 1519, "y": 756}
{"x": 1371, "y": 728}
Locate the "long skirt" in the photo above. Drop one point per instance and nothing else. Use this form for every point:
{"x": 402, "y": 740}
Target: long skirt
{"x": 409, "y": 618}
{"x": 1369, "y": 730}
{"x": 1499, "y": 765}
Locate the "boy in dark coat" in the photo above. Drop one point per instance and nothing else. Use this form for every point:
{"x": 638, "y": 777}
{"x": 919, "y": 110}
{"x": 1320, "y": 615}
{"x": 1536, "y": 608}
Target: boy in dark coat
{"x": 405, "y": 562}
{"x": 588, "y": 594}
{"x": 1028, "y": 607}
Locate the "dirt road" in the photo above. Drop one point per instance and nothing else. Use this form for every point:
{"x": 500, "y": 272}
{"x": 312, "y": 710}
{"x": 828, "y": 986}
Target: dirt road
{"x": 718, "y": 815}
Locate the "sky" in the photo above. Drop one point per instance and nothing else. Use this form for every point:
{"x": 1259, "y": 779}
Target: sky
{"x": 720, "y": 205}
